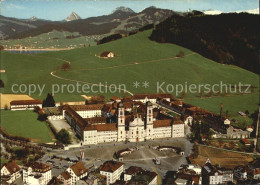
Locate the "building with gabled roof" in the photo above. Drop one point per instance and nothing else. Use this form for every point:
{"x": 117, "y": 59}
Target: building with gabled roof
{"x": 25, "y": 104}
{"x": 65, "y": 178}
{"x": 210, "y": 174}
{"x": 77, "y": 171}
{"x": 112, "y": 170}
{"x": 37, "y": 173}
{"x": 10, "y": 172}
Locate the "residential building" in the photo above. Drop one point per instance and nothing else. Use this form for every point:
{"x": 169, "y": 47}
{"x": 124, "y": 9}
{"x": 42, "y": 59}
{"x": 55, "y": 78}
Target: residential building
{"x": 10, "y": 172}
{"x": 77, "y": 171}
{"x": 37, "y": 173}
{"x": 65, "y": 178}
{"x": 112, "y": 170}
{"x": 210, "y": 174}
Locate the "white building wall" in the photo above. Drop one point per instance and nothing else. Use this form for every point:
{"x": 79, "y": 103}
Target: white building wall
{"x": 162, "y": 132}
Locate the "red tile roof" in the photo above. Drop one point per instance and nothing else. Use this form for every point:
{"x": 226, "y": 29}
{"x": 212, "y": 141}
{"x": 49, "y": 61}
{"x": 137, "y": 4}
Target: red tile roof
{"x": 110, "y": 166}
{"x": 12, "y": 167}
{"x": 25, "y": 102}
{"x": 66, "y": 175}
{"x": 79, "y": 168}
{"x": 87, "y": 107}
{"x": 162, "y": 123}
{"x": 40, "y": 167}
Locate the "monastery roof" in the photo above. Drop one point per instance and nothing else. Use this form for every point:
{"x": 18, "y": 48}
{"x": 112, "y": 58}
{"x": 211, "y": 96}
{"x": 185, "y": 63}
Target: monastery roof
{"x": 102, "y": 127}
{"x": 12, "y": 167}
{"x": 79, "y": 168}
{"x": 95, "y": 120}
{"x": 87, "y": 107}
{"x": 162, "y": 123}
{"x": 25, "y": 102}
{"x": 110, "y": 166}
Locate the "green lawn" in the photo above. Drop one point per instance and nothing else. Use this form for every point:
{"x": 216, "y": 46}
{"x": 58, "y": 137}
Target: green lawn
{"x": 137, "y": 59}
{"x": 25, "y": 123}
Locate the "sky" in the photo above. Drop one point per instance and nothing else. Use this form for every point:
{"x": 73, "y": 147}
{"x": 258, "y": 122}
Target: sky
{"x": 60, "y": 9}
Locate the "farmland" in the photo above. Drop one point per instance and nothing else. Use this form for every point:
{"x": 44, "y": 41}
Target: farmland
{"x": 222, "y": 158}
{"x": 25, "y": 124}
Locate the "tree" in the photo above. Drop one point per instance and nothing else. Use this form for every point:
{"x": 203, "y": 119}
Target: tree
{"x": 49, "y": 101}
{"x": 2, "y": 84}
{"x": 180, "y": 54}
{"x": 42, "y": 117}
{"x": 1, "y": 47}
{"x": 64, "y": 136}
{"x": 6, "y": 107}
{"x": 66, "y": 66}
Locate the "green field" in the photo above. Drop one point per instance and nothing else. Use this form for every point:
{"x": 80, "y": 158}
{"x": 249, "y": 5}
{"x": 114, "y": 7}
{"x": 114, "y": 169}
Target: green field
{"x": 137, "y": 59}
{"x": 25, "y": 124}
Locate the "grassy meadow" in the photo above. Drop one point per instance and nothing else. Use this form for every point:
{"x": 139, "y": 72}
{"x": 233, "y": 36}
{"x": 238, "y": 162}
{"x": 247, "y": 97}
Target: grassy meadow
{"x": 25, "y": 124}
{"x": 137, "y": 59}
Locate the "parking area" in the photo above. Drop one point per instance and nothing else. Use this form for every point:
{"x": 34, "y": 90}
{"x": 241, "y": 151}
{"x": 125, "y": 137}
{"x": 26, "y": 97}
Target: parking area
{"x": 95, "y": 155}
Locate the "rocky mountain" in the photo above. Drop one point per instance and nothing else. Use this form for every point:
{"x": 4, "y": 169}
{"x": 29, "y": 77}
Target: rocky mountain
{"x": 121, "y": 20}
{"x": 72, "y": 17}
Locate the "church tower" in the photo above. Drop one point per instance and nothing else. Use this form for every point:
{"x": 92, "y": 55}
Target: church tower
{"x": 149, "y": 120}
{"x": 121, "y": 134}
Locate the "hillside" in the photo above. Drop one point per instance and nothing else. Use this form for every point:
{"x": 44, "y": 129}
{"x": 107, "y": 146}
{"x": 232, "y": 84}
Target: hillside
{"x": 226, "y": 38}
{"x": 12, "y": 26}
{"x": 150, "y": 61}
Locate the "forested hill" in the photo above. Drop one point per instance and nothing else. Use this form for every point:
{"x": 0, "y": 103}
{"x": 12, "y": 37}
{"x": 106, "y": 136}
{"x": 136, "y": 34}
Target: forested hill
{"x": 226, "y": 38}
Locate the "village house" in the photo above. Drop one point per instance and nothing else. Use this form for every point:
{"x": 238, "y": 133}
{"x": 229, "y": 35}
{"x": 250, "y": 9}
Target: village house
{"x": 95, "y": 178}
{"x": 25, "y": 104}
{"x": 37, "y": 173}
{"x": 10, "y": 172}
{"x": 112, "y": 170}
{"x": 107, "y": 54}
{"x": 65, "y": 178}
{"x": 210, "y": 174}
{"x": 77, "y": 171}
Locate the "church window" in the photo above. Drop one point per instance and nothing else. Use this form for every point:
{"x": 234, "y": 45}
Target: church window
{"x": 150, "y": 111}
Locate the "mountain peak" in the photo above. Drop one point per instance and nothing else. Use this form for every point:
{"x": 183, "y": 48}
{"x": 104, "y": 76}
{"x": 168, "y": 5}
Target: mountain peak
{"x": 123, "y": 9}
{"x": 73, "y": 16}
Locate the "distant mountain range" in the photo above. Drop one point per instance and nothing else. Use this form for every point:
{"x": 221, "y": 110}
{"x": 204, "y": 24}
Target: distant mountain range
{"x": 121, "y": 20}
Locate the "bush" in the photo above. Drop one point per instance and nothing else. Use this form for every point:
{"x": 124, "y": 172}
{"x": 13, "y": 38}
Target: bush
{"x": 180, "y": 54}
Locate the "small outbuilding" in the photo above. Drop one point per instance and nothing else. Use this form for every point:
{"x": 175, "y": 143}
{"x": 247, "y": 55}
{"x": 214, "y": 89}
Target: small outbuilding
{"x": 107, "y": 54}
